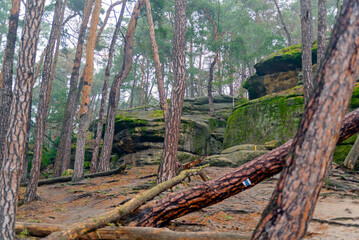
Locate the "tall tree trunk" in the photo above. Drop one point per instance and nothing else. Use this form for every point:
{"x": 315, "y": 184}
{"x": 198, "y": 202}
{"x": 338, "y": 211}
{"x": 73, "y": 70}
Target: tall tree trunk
{"x": 200, "y": 70}
{"x": 211, "y": 68}
{"x": 14, "y": 146}
{"x": 115, "y": 89}
{"x": 211, "y": 192}
{"x": 7, "y": 72}
{"x": 284, "y": 26}
{"x": 156, "y": 58}
{"x": 134, "y": 83}
{"x": 62, "y": 161}
{"x": 101, "y": 116}
{"x": 43, "y": 103}
{"x": 307, "y": 33}
{"x": 191, "y": 86}
{"x": 85, "y": 101}
{"x": 353, "y": 155}
{"x": 142, "y": 81}
{"x": 292, "y": 205}
{"x": 209, "y": 87}
{"x": 170, "y": 163}
{"x": 322, "y": 30}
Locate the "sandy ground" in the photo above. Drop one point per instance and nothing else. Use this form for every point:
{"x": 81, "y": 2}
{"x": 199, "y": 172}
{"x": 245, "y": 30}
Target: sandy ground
{"x": 67, "y": 204}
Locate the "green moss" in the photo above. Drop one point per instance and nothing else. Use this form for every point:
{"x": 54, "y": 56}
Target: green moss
{"x": 341, "y": 151}
{"x": 156, "y": 114}
{"x": 283, "y": 60}
{"x": 265, "y": 119}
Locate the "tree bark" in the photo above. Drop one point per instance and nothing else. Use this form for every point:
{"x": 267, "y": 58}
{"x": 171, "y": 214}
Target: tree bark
{"x": 284, "y": 26}
{"x": 7, "y": 73}
{"x": 307, "y": 33}
{"x": 170, "y": 163}
{"x": 322, "y": 30}
{"x": 293, "y": 201}
{"x": 43, "y": 103}
{"x": 85, "y": 101}
{"x": 158, "y": 212}
{"x": 14, "y": 147}
{"x": 101, "y": 116}
{"x": 62, "y": 161}
{"x": 104, "y": 164}
{"x": 352, "y": 156}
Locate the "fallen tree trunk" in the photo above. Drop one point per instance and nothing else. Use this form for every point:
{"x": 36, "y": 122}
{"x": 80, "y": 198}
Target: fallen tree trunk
{"x": 37, "y": 229}
{"x": 128, "y": 233}
{"x": 208, "y": 193}
{"x": 78, "y": 229}
{"x": 145, "y": 233}
{"x": 69, "y": 178}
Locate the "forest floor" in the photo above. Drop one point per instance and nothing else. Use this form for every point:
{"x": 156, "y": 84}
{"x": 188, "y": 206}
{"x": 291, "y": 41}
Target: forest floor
{"x": 336, "y": 215}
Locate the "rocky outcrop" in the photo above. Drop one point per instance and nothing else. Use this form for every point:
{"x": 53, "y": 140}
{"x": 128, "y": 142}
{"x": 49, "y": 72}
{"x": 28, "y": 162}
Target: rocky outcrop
{"x": 139, "y": 134}
{"x": 277, "y": 72}
{"x": 236, "y": 156}
{"x": 265, "y": 119}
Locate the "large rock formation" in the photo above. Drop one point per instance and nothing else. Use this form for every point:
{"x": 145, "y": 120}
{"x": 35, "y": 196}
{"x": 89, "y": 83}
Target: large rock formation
{"x": 139, "y": 134}
{"x": 277, "y": 72}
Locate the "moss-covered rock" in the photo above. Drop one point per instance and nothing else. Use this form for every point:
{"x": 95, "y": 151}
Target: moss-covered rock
{"x": 287, "y": 59}
{"x": 276, "y": 118}
{"x": 236, "y": 156}
{"x": 259, "y": 86}
{"x": 264, "y": 119}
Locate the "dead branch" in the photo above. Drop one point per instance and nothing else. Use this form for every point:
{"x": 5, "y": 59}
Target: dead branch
{"x": 69, "y": 178}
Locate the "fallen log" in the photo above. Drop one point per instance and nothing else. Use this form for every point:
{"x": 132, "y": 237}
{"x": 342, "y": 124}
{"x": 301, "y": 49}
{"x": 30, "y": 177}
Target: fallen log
{"x": 69, "y": 178}
{"x": 37, "y": 229}
{"x": 208, "y": 193}
{"x": 78, "y": 229}
{"x": 127, "y": 233}
{"x": 144, "y": 233}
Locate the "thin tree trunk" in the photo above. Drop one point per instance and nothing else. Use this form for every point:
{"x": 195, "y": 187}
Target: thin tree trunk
{"x": 284, "y": 26}
{"x": 7, "y": 73}
{"x": 104, "y": 164}
{"x": 42, "y": 105}
{"x": 208, "y": 193}
{"x": 108, "y": 12}
{"x": 352, "y": 156}
{"x": 134, "y": 83}
{"x": 170, "y": 163}
{"x": 101, "y": 116}
{"x": 322, "y": 30}
{"x": 142, "y": 81}
{"x": 292, "y": 205}
{"x": 209, "y": 87}
{"x": 307, "y": 33}
{"x": 15, "y": 144}
{"x": 211, "y": 68}
{"x": 200, "y": 70}
{"x": 156, "y": 59}
{"x": 62, "y": 161}
{"x": 85, "y": 101}
{"x": 191, "y": 86}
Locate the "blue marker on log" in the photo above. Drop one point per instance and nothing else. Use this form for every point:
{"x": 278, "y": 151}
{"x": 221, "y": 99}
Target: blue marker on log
{"x": 247, "y": 182}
